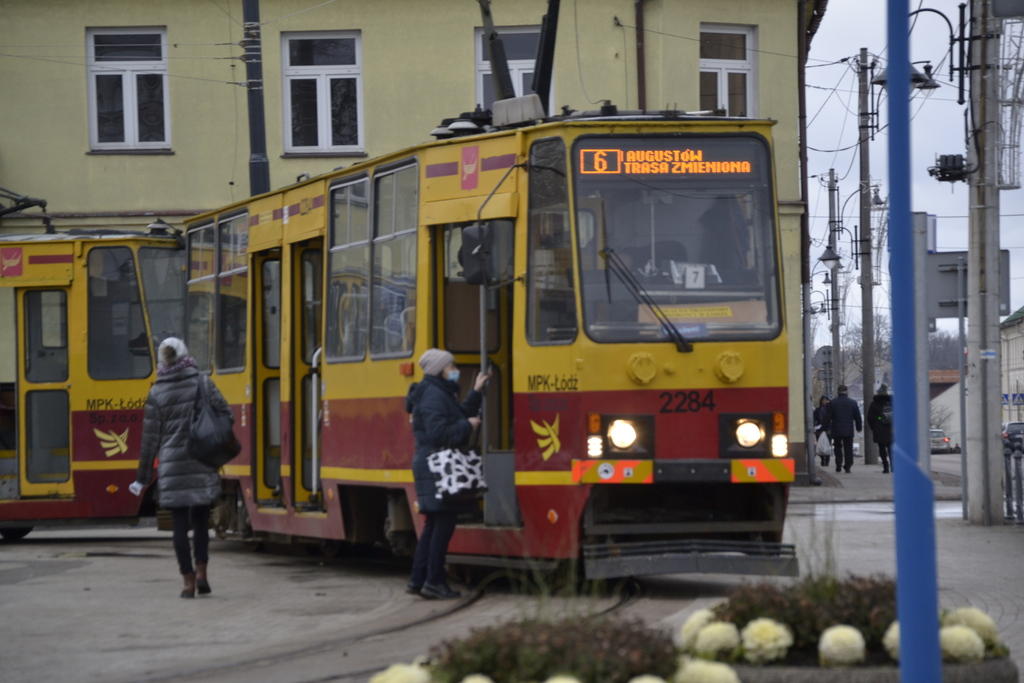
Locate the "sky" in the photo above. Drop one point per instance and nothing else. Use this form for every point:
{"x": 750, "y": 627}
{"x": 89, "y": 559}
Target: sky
{"x": 937, "y": 128}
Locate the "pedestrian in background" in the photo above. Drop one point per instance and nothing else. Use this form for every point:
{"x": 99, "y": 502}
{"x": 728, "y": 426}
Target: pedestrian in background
{"x": 438, "y": 422}
{"x": 844, "y": 415}
{"x": 186, "y": 486}
{"x": 880, "y": 419}
{"x": 822, "y": 425}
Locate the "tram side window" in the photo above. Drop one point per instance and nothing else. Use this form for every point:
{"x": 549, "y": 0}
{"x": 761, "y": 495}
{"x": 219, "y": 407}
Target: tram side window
{"x": 163, "y": 286}
{"x": 551, "y": 303}
{"x": 233, "y": 285}
{"x": 202, "y": 273}
{"x": 46, "y": 347}
{"x": 49, "y": 458}
{"x": 348, "y": 288}
{"x": 393, "y": 296}
{"x": 118, "y": 342}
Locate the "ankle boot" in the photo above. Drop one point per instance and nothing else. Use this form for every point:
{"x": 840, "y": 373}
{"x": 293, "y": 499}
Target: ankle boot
{"x": 202, "y": 584}
{"x": 190, "y": 585}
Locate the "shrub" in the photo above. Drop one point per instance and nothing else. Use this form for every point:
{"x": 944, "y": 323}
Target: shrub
{"x": 813, "y": 604}
{"x": 591, "y": 650}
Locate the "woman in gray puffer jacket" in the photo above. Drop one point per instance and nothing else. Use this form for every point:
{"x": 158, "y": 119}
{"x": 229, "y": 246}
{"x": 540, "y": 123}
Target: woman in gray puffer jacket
{"x": 187, "y": 487}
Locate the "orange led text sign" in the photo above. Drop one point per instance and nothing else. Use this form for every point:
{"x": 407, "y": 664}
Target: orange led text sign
{"x": 656, "y": 161}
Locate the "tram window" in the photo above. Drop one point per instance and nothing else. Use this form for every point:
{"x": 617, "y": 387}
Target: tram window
{"x": 393, "y": 296}
{"x": 163, "y": 286}
{"x": 232, "y": 293}
{"x": 118, "y": 342}
{"x": 272, "y": 433}
{"x": 46, "y": 346}
{"x": 202, "y": 269}
{"x": 348, "y": 302}
{"x": 272, "y": 313}
{"x": 49, "y": 459}
{"x": 551, "y": 302}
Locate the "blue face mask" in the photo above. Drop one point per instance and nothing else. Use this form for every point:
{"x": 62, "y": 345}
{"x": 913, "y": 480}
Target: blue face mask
{"x": 452, "y": 375}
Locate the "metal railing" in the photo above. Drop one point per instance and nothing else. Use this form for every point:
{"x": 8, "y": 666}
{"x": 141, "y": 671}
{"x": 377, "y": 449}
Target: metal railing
{"x": 1013, "y": 488}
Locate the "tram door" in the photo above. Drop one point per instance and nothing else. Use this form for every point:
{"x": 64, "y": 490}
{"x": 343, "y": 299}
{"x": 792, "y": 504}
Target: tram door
{"x": 43, "y": 409}
{"x": 459, "y": 309}
{"x": 304, "y": 352}
{"x": 267, "y": 377}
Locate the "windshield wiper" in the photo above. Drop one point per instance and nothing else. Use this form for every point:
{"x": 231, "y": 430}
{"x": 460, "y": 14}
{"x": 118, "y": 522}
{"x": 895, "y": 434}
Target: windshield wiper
{"x": 633, "y": 286}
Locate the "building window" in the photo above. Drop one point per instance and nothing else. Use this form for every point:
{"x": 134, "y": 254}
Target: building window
{"x": 520, "y": 51}
{"x": 128, "y": 103}
{"x": 322, "y": 92}
{"x": 727, "y": 69}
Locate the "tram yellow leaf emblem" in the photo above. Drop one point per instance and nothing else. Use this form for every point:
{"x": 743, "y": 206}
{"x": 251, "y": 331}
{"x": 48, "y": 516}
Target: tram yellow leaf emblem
{"x": 112, "y": 444}
{"x": 547, "y": 434}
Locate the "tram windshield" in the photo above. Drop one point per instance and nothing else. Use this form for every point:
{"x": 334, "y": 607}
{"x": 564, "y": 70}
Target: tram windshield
{"x": 692, "y": 220}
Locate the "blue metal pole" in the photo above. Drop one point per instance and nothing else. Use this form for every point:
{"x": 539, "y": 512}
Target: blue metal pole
{"x": 916, "y": 579}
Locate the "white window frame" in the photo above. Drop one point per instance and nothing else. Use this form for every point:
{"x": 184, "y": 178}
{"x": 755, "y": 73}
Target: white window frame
{"x": 516, "y": 67}
{"x": 723, "y": 67}
{"x": 323, "y": 75}
{"x": 128, "y": 71}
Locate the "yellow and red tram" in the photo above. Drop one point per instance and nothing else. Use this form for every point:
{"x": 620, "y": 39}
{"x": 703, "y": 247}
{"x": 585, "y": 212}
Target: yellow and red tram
{"x": 619, "y": 274}
{"x": 87, "y": 310}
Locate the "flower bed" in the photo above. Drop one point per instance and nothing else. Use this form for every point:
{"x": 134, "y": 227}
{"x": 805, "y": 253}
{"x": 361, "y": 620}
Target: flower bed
{"x": 819, "y": 630}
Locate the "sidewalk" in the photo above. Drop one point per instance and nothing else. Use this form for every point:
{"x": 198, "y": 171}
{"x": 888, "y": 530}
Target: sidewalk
{"x": 866, "y": 483}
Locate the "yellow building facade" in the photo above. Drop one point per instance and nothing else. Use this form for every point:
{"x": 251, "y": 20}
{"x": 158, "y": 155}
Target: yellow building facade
{"x": 121, "y": 111}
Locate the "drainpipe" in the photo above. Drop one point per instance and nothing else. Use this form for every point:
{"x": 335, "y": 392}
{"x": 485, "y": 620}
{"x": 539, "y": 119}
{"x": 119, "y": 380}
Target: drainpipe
{"x": 641, "y": 73}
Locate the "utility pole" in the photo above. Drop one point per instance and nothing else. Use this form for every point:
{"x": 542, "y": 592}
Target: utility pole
{"x": 983, "y": 384}
{"x": 833, "y": 228}
{"x": 259, "y": 166}
{"x": 867, "y": 274}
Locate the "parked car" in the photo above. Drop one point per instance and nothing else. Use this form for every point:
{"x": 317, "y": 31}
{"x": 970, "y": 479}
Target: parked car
{"x": 1011, "y": 428}
{"x": 939, "y": 441}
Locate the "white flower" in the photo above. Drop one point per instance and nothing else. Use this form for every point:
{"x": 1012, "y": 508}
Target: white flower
{"x": 975, "y": 619}
{"x": 702, "y": 671}
{"x": 646, "y": 678}
{"x": 765, "y": 640}
{"x": 562, "y": 678}
{"x": 477, "y": 678}
{"x": 891, "y": 640}
{"x": 716, "y": 638}
{"x": 402, "y": 673}
{"x": 840, "y": 646}
{"x": 961, "y": 643}
{"x": 691, "y": 627}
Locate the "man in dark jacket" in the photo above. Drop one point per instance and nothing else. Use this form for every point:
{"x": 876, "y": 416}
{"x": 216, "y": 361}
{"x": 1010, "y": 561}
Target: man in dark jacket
{"x": 439, "y": 422}
{"x": 880, "y": 419}
{"x": 844, "y": 415}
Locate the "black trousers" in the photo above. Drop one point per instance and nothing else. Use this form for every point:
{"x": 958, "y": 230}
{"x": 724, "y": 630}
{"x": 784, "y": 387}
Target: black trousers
{"x": 885, "y": 454}
{"x": 198, "y": 517}
{"x": 843, "y": 452}
{"x": 431, "y": 549}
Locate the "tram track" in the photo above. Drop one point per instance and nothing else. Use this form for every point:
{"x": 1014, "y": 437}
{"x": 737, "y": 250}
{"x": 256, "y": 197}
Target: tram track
{"x": 631, "y": 591}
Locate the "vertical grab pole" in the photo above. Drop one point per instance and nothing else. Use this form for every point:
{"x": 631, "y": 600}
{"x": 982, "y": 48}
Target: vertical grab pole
{"x": 314, "y": 423}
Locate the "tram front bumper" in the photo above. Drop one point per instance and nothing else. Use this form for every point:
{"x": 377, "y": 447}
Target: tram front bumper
{"x": 717, "y": 470}
{"x": 644, "y": 558}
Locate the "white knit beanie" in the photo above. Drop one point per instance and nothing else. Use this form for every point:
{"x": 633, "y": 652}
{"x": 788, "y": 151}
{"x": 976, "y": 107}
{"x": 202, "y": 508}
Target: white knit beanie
{"x": 433, "y": 361}
{"x": 171, "y": 351}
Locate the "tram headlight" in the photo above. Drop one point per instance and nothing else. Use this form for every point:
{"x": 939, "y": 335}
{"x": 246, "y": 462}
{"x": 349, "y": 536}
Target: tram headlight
{"x": 595, "y": 446}
{"x": 749, "y": 433}
{"x": 622, "y": 434}
{"x": 780, "y": 446}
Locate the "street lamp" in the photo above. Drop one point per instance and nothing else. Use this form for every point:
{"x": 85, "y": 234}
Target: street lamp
{"x": 830, "y": 259}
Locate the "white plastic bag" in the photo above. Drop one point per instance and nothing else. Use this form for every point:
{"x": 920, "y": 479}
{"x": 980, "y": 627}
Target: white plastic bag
{"x": 824, "y": 446}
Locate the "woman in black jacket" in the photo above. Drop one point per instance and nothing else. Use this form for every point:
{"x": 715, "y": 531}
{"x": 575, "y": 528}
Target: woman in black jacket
{"x": 438, "y": 422}
{"x": 880, "y": 419}
{"x": 187, "y": 487}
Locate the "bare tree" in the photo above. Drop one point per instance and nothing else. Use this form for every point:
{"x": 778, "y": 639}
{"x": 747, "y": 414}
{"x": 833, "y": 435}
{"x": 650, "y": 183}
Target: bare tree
{"x": 939, "y": 415}
{"x": 943, "y": 350}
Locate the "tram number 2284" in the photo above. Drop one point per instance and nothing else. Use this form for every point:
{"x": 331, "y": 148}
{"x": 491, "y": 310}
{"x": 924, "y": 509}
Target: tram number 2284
{"x": 686, "y": 401}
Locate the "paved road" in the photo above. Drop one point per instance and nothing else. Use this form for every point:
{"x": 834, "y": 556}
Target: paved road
{"x": 97, "y": 605}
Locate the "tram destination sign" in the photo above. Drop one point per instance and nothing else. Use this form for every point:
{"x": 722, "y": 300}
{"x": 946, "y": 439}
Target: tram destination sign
{"x": 665, "y": 161}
